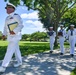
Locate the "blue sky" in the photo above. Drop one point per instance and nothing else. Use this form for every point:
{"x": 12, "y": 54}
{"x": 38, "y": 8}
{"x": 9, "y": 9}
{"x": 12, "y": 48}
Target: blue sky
{"x": 30, "y": 19}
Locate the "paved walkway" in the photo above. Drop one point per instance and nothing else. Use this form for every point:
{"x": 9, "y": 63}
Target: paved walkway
{"x": 44, "y": 64}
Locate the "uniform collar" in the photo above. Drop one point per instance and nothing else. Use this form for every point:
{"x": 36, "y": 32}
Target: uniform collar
{"x": 51, "y": 31}
{"x": 71, "y": 29}
{"x": 11, "y": 14}
{"x": 61, "y": 29}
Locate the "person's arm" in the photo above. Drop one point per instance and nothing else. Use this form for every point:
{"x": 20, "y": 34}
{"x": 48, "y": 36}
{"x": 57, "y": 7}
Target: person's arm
{"x": 4, "y": 31}
{"x": 20, "y": 24}
{"x": 12, "y": 32}
{"x": 64, "y": 33}
{"x": 67, "y": 35}
{"x": 3, "y": 37}
{"x": 54, "y": 34}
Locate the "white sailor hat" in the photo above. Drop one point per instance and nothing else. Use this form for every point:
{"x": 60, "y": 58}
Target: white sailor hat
{"x": 50, "y": 27}
{"x": 72, "y": 25}
{"x": 61, "y": 25}
{"x": 10, "y": 5}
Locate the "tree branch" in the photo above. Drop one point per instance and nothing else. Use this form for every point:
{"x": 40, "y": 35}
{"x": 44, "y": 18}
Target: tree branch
{"x": 67, "y": 8}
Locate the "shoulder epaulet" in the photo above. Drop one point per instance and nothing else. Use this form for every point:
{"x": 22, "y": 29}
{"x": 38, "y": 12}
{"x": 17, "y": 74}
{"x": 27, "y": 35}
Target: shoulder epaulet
{"x": 7, "y": 17}
{"x": 15, "y": 14}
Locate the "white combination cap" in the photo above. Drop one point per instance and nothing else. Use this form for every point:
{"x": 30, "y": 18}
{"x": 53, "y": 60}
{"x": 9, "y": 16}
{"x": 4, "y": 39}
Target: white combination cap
{"x": 10, "y": 4}
{"x": 61, "y": 25}
{"x": 51, "y": 27}
{"x": 72, "y": 25}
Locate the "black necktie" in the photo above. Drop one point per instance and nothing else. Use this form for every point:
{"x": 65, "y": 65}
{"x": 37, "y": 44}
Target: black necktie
{"x": 71, "y": 32}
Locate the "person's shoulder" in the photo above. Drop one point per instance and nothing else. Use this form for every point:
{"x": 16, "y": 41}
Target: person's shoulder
{"x": 16, "y": 15}
{"x": 64, "y": 30}
{"x": 53, "y": 30}
{"x": 7, "y": 17}
{"x": 69, "y": 30}
{"x": 74, "y": 29}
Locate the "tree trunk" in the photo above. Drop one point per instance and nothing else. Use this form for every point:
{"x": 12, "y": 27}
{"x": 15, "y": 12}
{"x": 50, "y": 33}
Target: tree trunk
{"x": 55, "y": 29}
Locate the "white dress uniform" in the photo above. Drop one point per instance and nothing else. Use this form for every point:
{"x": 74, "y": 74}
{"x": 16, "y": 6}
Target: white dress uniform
{"x": 52, "y": 35}
{"x": 71, "y": 34}
{"x": 13, "y": 40}
{"x": 62, "y": 39}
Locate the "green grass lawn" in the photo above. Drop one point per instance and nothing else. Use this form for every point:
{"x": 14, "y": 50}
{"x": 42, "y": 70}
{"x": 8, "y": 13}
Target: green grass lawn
{"x": 33, "y": 47}
{"x": 73, "y": 72}
{"x": 27, "y": 47}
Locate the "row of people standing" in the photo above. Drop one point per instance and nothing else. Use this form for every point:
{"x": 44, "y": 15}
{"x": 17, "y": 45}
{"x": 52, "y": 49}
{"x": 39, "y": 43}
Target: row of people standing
{"x": 63, "y": 35}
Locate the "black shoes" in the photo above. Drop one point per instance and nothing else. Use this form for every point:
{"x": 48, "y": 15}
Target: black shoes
{"x": 61, "y": 53}
{"x": 72, "y": 55}
{"x": 51, "y": 51}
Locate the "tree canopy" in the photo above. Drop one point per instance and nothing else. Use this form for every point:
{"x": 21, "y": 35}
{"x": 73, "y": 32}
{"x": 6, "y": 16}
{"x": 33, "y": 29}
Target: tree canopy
{"x": 70, "y": 17}
{"x": 36, "y": 36}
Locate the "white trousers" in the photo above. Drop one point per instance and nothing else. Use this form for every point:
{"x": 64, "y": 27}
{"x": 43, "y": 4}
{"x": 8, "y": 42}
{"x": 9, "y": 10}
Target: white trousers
{"x": 52, "y": 40}
{"x": 61, "y": 41}
{"x": 12, "y": 48}
{"x": 72, "y": 45}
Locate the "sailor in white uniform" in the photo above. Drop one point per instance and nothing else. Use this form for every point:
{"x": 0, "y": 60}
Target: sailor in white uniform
{"x": 12, "y": 29}
{"x": 61, "y": 35}
{"x": 71, "y": 34}
{"x": 52, "y": 35}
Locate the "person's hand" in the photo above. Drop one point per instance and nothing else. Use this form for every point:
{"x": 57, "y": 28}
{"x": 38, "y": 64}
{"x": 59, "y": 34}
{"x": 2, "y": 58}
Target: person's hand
{"x": 3, "y": 37}
{"x": 12, "y": 33}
